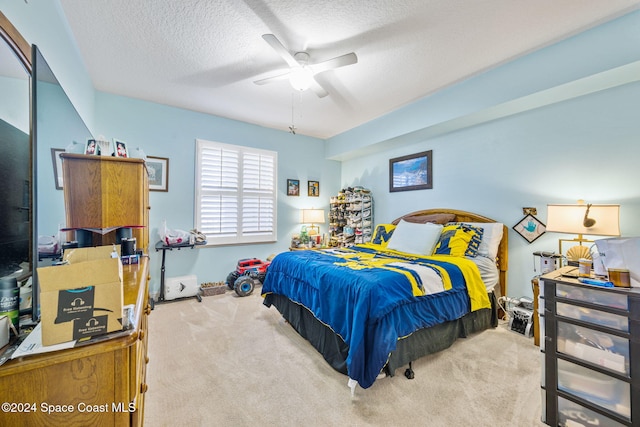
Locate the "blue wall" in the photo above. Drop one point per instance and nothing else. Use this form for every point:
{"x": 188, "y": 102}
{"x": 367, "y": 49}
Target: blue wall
{"x": 555, "y": 126}
{"x": 171, "y": 132}
{"x": 551, "y": 127}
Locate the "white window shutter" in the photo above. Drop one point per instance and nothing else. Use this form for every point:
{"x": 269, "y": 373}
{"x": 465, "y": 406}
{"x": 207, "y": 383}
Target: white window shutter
{"x": 235, "y": 193}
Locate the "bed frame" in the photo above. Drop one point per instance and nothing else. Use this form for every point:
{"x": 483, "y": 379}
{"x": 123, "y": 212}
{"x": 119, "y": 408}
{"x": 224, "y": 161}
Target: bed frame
{"x": 420, "y": 343}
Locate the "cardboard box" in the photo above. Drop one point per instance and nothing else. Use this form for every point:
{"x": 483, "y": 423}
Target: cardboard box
{"x": 76, "y": 255}
{"x": 83, "y": 298}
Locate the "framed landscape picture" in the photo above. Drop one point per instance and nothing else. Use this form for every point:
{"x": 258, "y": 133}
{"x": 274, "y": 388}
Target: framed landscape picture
{"x": 412, "y": 172}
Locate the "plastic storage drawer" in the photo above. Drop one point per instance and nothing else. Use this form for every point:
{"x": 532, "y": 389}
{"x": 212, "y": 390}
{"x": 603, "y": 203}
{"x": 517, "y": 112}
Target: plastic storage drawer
{"x": 573, "y": 414}
{"x": 600, "y": 348}
{"x": 595, "y": 387}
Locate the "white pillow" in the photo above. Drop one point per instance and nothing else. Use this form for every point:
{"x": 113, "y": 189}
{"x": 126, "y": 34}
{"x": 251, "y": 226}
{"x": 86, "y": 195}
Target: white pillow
{"x": 490, "y": 238}
{"x": 415, "y": 238}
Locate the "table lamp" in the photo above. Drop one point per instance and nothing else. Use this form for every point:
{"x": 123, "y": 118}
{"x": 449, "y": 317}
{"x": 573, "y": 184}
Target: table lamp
{"x": 580, "y": 219}
{"x": 313, "y": 216}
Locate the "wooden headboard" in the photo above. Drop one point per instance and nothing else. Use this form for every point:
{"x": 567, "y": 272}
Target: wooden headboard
{"x": 502, "y": 260}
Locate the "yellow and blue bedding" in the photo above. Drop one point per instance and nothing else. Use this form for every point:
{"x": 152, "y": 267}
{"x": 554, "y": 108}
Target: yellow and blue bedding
{"x": 371, "y": 297}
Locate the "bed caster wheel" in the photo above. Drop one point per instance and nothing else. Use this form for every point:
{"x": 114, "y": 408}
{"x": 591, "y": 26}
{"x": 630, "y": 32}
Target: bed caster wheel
{"x": 244, "y": 286}
{"x": 409, "y": 372}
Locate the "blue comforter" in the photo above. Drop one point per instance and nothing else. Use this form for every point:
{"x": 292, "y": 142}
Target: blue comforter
{"x": 372, "y": 298}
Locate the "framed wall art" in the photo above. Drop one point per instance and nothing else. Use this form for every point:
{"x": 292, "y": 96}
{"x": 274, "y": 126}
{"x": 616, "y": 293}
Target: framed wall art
{"x": 313, "y": 188}
{"x": 293, "y": 187}
{"x": 158, "y": 168}
{"x": 412, "y": 172}
{"x": 530, "y": 228}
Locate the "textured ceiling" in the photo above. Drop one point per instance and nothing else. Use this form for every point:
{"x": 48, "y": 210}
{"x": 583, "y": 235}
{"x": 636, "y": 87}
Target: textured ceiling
{"x": 203, "y": 55}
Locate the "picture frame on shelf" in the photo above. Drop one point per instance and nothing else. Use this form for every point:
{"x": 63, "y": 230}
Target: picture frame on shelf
{"x": 120, "y": 149}
{"x": 91, "y": 148}
{"x": 313, "y": 189}
{"x": 158, "y": 169}
{"x": 57, "y": 167}
{"x": 530, "y": 228}
{"x": 293, "y": 187}
{"x": 411, "y": 172}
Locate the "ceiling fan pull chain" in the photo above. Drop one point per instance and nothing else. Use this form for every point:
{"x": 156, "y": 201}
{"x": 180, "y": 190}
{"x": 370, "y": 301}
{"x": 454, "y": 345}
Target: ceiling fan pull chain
{"x": 292, "y": 128}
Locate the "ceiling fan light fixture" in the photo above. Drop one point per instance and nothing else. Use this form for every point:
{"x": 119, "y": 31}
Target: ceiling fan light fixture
{"x": 301, "y": 78}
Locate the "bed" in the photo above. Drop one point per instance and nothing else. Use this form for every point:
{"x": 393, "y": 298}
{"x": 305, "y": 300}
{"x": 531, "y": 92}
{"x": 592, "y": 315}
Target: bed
{"x": 373, "y": 308}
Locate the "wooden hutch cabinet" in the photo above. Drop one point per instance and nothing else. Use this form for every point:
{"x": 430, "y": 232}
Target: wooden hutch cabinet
{"x": 106, "y": 193}
{"x": 101, "y": 381}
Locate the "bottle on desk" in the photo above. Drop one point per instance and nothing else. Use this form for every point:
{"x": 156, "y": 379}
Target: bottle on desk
{"x": 584, "y": 267}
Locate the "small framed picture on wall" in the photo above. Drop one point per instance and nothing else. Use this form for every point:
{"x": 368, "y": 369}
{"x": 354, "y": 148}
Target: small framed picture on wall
{"x": 293, "y": 187}
{"x": 313, "y": 189}
{"x": 530, "y": 228}
{"x": 158, "y": 169}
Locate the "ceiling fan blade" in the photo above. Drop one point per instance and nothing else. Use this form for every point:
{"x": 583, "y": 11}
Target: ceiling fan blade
{"x": 317, "y": 89}
{"x": 272, "y": 79}
{"x": 339, "y": 61}
{"x": 280, "y": 49}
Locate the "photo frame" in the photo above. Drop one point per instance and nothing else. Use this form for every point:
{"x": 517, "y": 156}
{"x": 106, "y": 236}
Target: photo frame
{"x": 530, "y": 228}
{"x": 120, "y": 149}
{"x": 293, "y": 187}
{"x": 411, "y": 172}
{"x": 91, "y": 147}
{"x": 158, "y": 170}
{"x": 313, "y": 188}
{"x": 57, "y": 166}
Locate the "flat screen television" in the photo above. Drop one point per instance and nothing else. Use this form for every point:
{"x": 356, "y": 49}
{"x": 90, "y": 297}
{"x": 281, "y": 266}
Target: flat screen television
{"x": 15, "y": 158}
{"x": 55, "y": 123}
{"x": 15, "y": 178}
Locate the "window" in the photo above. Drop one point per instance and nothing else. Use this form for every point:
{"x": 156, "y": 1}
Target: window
{"x": 235, "y": 193}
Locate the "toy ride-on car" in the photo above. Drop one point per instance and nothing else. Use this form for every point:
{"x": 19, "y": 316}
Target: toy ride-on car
{"x": 249, "y": 273}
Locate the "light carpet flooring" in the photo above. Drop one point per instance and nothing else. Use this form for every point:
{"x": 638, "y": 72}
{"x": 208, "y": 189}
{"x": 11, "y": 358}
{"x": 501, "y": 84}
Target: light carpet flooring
{"x": 231, "y": 361}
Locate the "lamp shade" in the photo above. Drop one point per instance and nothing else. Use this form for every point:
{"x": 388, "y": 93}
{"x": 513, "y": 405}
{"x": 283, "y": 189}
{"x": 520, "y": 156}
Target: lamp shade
{"x": 597, "y": 220}
{"x": 313, "y": 216}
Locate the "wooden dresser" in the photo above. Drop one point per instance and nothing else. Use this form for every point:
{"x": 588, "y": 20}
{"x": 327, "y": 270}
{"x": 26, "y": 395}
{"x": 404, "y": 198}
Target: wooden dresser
{"x": 106, "y": 192}
{"x": 102, "y": 383}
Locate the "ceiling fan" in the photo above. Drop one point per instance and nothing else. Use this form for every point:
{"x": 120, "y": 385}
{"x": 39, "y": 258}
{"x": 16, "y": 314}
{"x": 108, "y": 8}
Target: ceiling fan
{"x": 301, "y": 73}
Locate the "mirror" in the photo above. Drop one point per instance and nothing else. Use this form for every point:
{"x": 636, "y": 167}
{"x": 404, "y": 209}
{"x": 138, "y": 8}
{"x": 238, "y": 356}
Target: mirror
{"x": 55, "y": 125}
{"x": 16, "y": 230}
